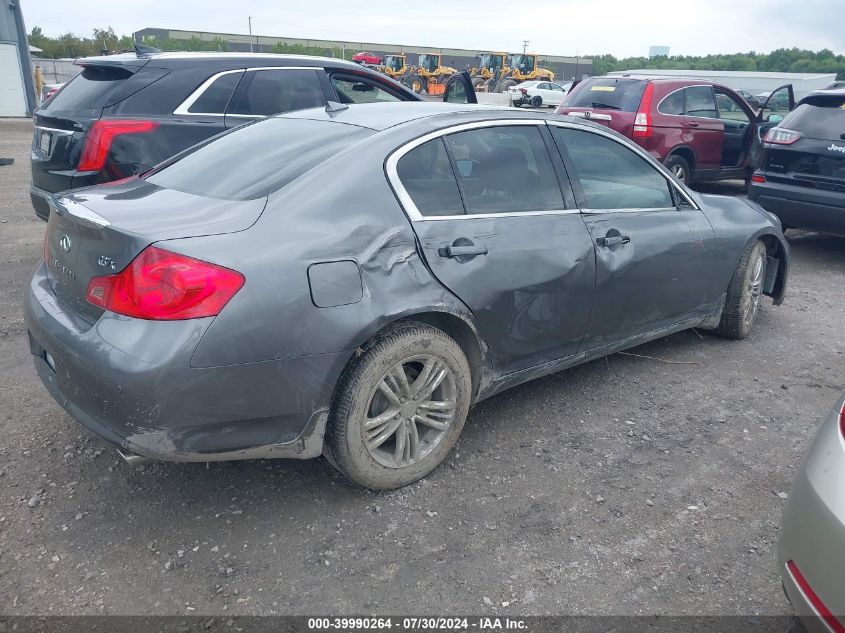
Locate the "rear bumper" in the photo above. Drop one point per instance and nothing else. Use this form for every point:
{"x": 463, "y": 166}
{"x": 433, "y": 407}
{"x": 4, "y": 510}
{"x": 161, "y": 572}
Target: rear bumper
{"x": 801, "y": 207}
{"x": 130, "y": 382}
{"x": 39, "y": 202}
{"x": 813, "y": 530}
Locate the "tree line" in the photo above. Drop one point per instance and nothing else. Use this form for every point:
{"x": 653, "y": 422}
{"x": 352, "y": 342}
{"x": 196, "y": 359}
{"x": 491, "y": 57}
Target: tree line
{"x": 792, "y": 60}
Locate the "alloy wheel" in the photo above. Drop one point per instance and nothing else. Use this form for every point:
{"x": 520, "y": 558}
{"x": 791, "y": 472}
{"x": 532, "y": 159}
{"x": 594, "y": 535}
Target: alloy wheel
{"x": 753, "y": 292}
{"x": 410, "y": 411}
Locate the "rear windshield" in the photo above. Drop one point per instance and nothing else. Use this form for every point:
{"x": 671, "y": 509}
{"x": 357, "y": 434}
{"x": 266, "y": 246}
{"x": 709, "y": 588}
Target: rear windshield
{"x": 90, "y": 89}
{"x": 607, "y": 93}
{"x": 255, "y": 160}
{"x": 821, "y": 117}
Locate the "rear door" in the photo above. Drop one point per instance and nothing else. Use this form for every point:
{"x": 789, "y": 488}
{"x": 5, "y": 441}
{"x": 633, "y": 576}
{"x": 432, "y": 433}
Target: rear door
{"x": 497, "y": 229}
{"x": 264, "y": 92}
{"x": 653, "y": 261}
{"x": 702, "y": 129}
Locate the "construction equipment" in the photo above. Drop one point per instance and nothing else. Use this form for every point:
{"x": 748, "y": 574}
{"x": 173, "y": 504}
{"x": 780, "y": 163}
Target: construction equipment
{"x": 393, "y": 66}
{"x": 522, "y": 67}
{"x": 429, "y": 75}
{"x": 490, "y": 65}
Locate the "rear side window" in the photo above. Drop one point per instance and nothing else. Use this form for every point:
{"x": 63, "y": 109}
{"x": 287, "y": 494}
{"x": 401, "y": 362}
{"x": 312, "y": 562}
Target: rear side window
{"x": 608, "y": 93}
{"x": 820, "y": 118}
{"x": 672, "y": 104}
{"x": 255, "y": 160}
{"x": 505, "y": 170}
{"x": 266, "y": 92}
{"x": 427, "y": 176}
{"x": 613, "y": 176}
{"x": 90, "y": 89}
{"x": 701, "y": 102}
{"x": 216, "y": 97}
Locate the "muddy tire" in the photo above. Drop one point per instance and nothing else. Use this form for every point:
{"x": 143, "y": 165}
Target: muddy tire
{"x": 417, "y": 84}
{"x": 399, "y": 408}
{"x": 505, "y": 85}
{"x": 745, "y": 293}
{"x": 477, "y": 82}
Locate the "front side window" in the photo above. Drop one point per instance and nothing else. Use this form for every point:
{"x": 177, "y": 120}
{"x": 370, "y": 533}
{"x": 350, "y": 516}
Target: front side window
{"x": 700, "y": 102}
{"x": 505, "y": 170}
{"x": 353, "y": 90}
{"x": 611, "y": 175}
{"x": 427, "y": 176}
{"x": 272, "y": 91}
{"x": 730, "y": 107}
{"x": 216, "y": 97}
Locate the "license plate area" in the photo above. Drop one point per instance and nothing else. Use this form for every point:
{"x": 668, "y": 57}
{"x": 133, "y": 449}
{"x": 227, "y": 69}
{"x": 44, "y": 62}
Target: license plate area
{"x": 45, "y": 142}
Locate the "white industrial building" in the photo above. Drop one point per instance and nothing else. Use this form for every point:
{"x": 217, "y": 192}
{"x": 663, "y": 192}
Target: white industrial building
{"x": 17, "y": 89}
{"x": 753, "y": 82}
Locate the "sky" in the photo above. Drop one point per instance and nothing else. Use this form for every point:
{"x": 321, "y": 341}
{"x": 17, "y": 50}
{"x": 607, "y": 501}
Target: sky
{"x": 553, "y": 27}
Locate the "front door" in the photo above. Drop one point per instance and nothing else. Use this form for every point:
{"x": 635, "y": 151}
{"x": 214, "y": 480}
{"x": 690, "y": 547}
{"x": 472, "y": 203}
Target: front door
{"x": 653, "y": 266}
{"x": 498, "y": 229}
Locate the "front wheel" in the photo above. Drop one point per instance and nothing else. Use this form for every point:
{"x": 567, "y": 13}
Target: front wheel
{"x": 400, "y": 408}
{"x": 745, "y": 292}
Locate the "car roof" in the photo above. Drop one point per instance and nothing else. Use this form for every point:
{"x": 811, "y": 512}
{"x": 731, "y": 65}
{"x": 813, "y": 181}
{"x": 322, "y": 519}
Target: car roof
{"x": 176, "y": 58}
{"x": 381, "y": 116}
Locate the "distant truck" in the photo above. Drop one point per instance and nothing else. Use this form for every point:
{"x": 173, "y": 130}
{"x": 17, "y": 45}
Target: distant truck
{"x": 365, "y": 57}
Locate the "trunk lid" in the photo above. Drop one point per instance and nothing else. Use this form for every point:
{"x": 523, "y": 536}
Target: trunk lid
{"x": 98, "y": 231}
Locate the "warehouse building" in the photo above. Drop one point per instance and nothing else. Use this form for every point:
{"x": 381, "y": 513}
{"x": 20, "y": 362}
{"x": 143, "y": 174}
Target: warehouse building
{"x": 565, "y": 68}
{"x": 17, "y": 87}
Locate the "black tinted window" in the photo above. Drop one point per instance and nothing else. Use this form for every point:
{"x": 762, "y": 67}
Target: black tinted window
{"x": 216, "y": 97}
{"x": 613, "y": 176}
{"x": 92, "y": 88}
{"x": 607, "y": 93}
{"x": 672, "y": 104}
{"x": 819, "y": 117}
{"x": 267, "y": 92}
{"x": 428, "y": 178}
{"x": 700, "y": 102}
{"x": 255, "y": 160}
{"x": 505, "y": 169}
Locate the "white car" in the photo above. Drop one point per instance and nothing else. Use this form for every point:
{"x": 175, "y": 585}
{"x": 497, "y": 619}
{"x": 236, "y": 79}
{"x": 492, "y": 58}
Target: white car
{"x": 538, "y": 93}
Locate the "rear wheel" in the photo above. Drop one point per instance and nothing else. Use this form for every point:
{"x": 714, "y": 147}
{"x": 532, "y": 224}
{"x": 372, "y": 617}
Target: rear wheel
{"x": 400, "y": 408}
{"x": 679, "y": 167}
{"x": 536, "y": 101}
{"x": 477, "y": 82}
{"x": 744, "y": 293}
{"x": 506, "y": 85}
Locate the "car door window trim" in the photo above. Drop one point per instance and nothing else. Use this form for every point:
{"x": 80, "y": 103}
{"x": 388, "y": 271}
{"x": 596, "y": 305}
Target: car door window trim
{"x": 405, "y": 198}
{"x": 183, "y": 107}
{"x": 642, "y": 153}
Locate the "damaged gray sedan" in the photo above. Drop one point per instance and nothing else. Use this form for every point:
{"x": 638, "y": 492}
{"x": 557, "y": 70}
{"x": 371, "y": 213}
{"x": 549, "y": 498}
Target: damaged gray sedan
{"x": 348, "y": 282}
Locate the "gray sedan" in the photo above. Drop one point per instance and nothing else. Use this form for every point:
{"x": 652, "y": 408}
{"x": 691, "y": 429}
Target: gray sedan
{"x": 812, "y": 543}
{"x": 349, "y": 282}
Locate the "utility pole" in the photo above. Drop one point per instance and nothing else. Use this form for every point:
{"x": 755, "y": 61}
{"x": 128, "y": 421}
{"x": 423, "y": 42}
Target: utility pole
{"x": 250, "y": 33}
{"x": 524, "y": 46}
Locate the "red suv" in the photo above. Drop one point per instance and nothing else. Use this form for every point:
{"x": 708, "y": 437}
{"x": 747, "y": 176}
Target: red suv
{"x": 700, "y": 130}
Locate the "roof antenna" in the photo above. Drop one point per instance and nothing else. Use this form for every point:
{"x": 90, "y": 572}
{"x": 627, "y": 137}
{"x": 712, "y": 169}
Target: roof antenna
{"x": 333, "y": 107}
{"x": 143, "y": 49}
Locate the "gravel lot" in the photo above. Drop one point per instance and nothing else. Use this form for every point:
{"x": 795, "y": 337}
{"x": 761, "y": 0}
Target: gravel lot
{"x": 628, "y": 485}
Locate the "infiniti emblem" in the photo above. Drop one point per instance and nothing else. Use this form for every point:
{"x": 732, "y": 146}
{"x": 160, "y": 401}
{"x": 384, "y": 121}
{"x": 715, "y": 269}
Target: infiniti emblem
{"x": 65, "y": 243}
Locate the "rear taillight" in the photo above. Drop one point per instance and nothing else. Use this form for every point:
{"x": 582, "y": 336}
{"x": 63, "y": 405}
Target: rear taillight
{"x": 824, "y": 613}
{"x": 524, "y": 91}
{"x": 758, "y": 178}
{"x": 642, "y": 121}
{"x": 782, "y": 136}
{"x": 100, "y": 137}
{"x": 842, "y": 421}
{"x": 161, "y": 285}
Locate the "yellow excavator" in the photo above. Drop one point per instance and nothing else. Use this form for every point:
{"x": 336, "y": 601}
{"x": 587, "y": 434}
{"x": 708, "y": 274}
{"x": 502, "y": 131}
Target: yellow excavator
{"x": 522, "y": 67}
{"x": 429, "y": 75}
{"x": 490, "y": 65}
